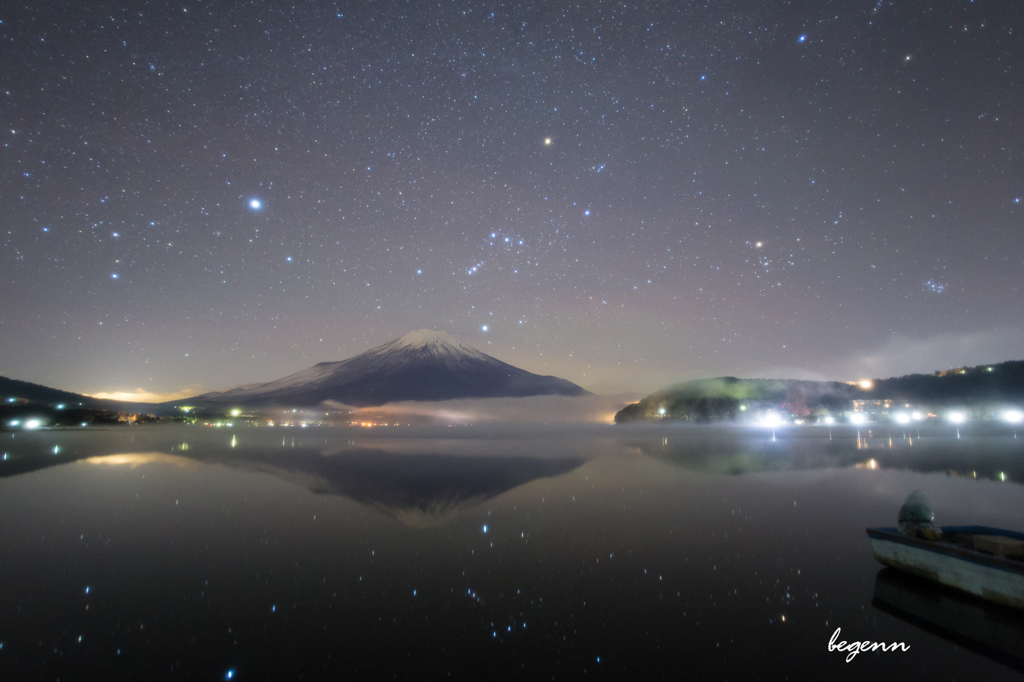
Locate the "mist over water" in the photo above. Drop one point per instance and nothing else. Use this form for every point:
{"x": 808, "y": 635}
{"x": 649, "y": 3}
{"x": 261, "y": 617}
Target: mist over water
{"x": 505, "y": 551}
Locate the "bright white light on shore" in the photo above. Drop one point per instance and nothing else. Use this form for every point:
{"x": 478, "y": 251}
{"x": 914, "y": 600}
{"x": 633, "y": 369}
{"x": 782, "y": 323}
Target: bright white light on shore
{"x": 661, "y": 411}
{"x": 236, "y": 412}
{"x": 830, "y": 420}
{"x": 33, "y": 424}
{"x": 858, "y": 418}
{"x": 957, "y": 417}
{"x": 771, "y": 419}
{"x": 866, "y": 384}
{"x": 902, "y": 418}
{"x": 916, "y": 416}
{"x": 1013, "y": 416}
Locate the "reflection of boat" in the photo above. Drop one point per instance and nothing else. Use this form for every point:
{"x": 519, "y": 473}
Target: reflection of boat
{"x": 987, "y": 562}
{"x": 990, "y": 630}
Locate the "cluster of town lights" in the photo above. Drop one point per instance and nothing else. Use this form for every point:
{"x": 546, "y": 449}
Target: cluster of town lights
{"x": 28, "y": 424}
{"x": 771, "y": 418}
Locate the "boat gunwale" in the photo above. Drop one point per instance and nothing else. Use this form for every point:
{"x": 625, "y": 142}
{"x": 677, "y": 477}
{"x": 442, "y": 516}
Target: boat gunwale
{"x": 953, "y": 551}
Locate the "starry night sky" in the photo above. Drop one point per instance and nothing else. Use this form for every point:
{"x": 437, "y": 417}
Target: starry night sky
{"x": 207, "y": 194}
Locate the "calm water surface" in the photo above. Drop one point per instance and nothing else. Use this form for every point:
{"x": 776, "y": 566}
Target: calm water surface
{"x": 514, "y": 552}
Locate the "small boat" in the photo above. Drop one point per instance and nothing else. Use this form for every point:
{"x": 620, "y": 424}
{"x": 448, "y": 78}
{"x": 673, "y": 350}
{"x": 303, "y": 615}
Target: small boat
{"x": 986, "y": 562}
{"x": 994, "y": 631}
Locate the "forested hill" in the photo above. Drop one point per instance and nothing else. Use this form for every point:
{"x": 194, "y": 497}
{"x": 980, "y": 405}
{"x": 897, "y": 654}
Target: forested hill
{"x": 722, "y": 397}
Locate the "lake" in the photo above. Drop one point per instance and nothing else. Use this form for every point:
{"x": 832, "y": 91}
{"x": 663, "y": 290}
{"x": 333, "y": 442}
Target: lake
{"x": 503, "y": 552}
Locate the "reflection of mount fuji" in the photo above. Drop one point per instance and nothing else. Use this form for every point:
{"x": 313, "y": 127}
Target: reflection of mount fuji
{"x": 417, "y": 489}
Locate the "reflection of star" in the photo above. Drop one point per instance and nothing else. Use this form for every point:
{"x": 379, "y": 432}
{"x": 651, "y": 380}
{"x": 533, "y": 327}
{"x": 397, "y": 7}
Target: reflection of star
{"x": 255, "y": 204}
{"x": 547, "y": 141}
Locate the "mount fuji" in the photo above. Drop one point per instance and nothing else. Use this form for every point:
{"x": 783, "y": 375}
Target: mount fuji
{"x": 422, "y": 365}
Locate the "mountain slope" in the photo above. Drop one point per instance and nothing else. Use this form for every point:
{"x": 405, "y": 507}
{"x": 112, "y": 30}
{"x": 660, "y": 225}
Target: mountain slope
{"x": 37, "y": 393}
{"x": 422, "y": 365}
{"x": 15, "y": 388}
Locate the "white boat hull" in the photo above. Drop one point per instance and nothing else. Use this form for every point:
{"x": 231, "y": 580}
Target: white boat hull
{"x": 997, "y": 580}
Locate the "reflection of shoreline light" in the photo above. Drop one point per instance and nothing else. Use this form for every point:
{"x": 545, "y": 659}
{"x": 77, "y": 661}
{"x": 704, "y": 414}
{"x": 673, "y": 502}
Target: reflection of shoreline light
{"x": 136, "y": 459}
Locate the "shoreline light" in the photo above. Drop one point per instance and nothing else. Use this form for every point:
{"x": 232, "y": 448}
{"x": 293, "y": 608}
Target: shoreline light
{"x": 1013, "y": 416}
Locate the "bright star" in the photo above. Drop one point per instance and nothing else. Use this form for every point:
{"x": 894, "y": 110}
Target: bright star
{"x": 484, "y": 328}
{"x": 802, "y": 38}
{"x": 255, "y": 204}
{"x": 547, "y": 141}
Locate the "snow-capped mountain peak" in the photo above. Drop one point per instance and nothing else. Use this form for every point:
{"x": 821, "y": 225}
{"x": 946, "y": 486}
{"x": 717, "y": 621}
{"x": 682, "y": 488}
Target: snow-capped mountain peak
{"x": 422, "y": 365}
{"x": 430, "y": 342}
